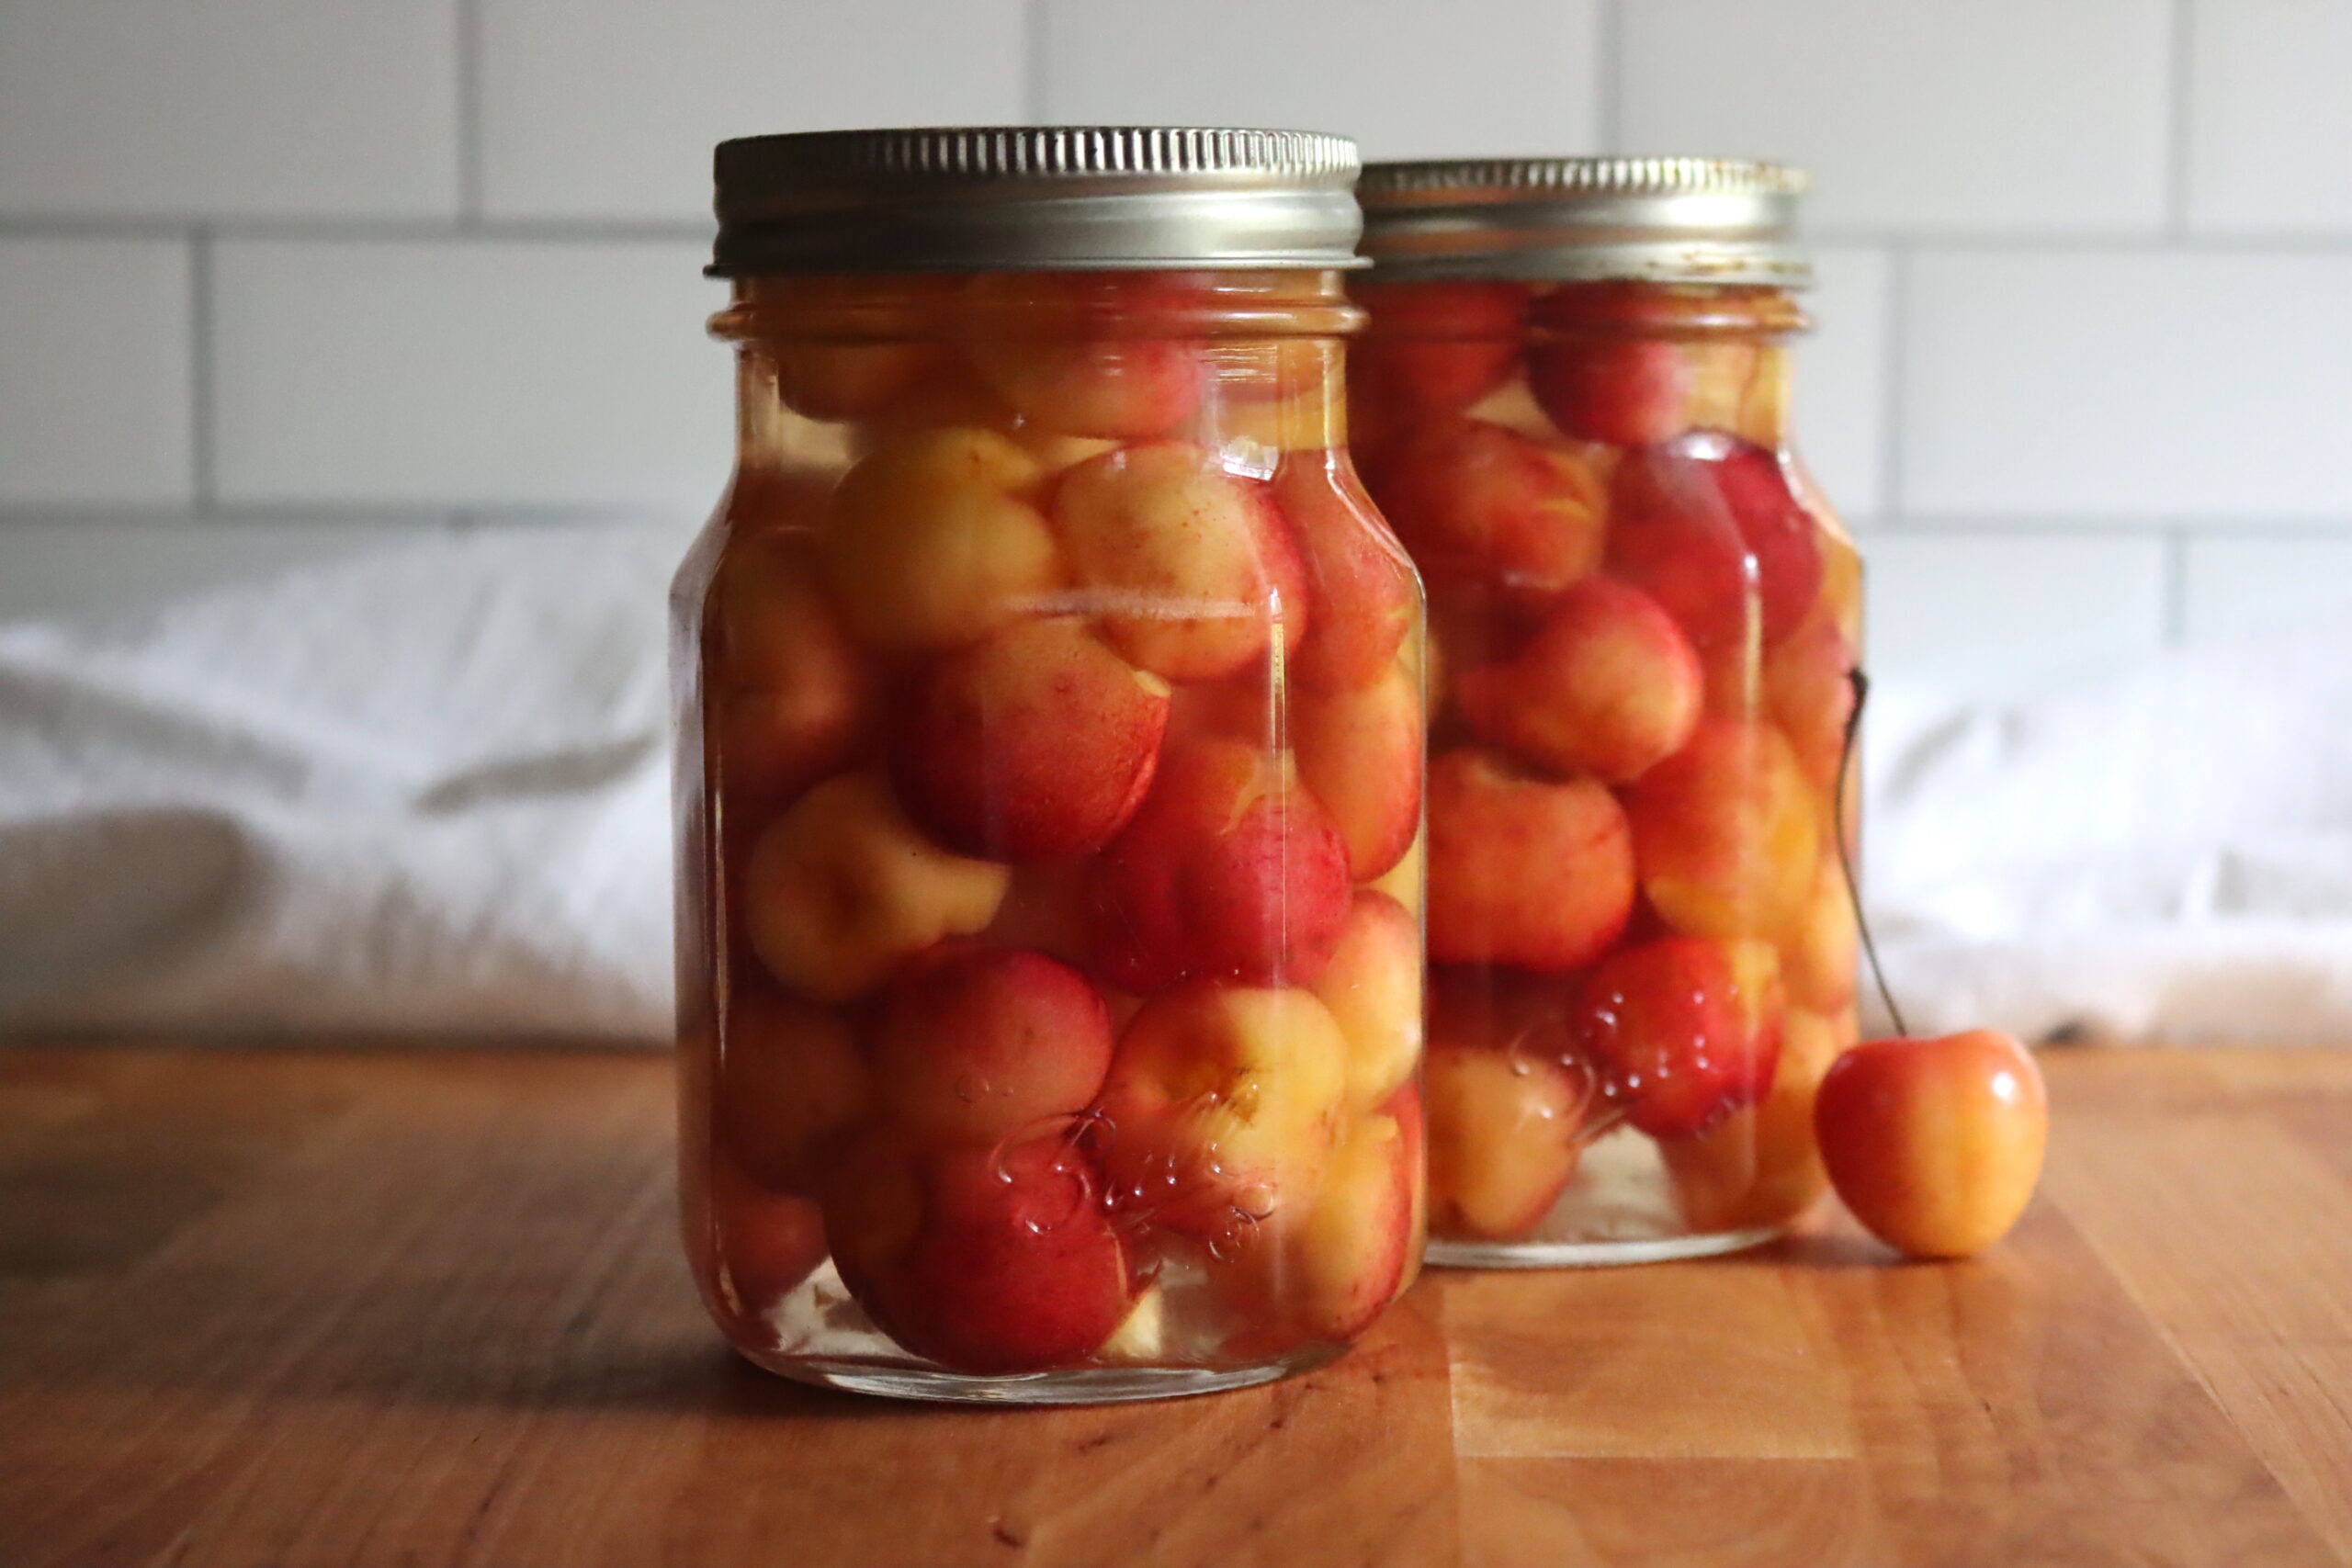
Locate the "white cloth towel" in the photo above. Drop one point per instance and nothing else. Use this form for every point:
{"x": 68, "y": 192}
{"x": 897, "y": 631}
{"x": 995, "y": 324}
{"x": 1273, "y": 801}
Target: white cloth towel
{"x": 421, "y": 793}
{"x": 2164, "y": 852}
{"x": 427, "y": 794}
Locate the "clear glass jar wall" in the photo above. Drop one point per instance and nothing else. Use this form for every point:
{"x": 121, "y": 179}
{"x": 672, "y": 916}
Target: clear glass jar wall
{"x": 1050, "y": 798}
{"x": 1643, "y": 621}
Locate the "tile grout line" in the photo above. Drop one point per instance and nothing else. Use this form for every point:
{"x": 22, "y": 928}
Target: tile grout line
{"x": 400, "y": 514}
{"x": 470, "y": 114}
{"x": 626, "y": 230}
{"x": 1033, "y": 61}
{"x": 2136, "y": 241}
{"x": 1609, "y": 75}
{"x": 340, "y": 230}
{"x": 2180, "y": 91}
{"x": 203, "y": 419}
{"x": 2173, "y": 611}
{"x": 1894, "y": 367}
{"x": 482, "y": 512}
{"x": 2102, "y": 526}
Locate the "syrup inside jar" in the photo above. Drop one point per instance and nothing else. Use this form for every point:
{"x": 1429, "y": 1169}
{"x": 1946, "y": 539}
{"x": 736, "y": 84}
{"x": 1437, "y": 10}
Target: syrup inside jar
{"x": 1645, "y": 623}
{"x": 1052, "y": 827}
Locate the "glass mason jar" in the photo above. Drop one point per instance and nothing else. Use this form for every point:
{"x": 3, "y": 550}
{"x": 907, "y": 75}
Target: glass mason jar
{"x": 1049, "y": 787}
{"x": 1571, "y": 403}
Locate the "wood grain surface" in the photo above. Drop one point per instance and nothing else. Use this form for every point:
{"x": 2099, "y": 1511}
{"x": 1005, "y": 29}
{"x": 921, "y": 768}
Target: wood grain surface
{"x": 426, "y": 1308}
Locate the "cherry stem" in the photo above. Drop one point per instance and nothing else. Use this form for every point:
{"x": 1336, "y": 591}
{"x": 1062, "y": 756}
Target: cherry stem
{"x": 1862, "y": 684}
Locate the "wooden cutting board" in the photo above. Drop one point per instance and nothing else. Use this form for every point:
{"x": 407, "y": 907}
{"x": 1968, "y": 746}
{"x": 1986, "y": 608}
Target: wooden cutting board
{"x": 427, "y": 1307}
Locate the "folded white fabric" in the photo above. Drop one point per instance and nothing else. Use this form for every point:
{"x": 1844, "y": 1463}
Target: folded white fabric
{"x": 421, "y": 793}
{"x": 427, "y": 794}
{"x": 2164, "y": 852}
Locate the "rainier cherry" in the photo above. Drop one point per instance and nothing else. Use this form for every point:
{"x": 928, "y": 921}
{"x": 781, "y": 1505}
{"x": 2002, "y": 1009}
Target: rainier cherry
{"x": 1934, "y": 1144}
{"x": 1686, "y": 1030}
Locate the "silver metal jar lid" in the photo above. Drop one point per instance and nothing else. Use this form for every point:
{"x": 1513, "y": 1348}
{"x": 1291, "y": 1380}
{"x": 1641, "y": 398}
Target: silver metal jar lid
{"x": 1077, "y": 198}
{"x": 1658, "y": 220}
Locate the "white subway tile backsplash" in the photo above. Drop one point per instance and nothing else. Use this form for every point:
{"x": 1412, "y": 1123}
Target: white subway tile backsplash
{"x": 1476, "y": 76}
{"x": 609, "y": 109}
{"x": 1925, "y": 114}
{"x": 468, "y": 373}
{"x": 53, "y": 567}
{"x": 2056, "y": 384}
{"x": 2131, "y": 384}
{"x": 1985, "y": 613}
{"x": 229, "y": 108}
{"x": 1841, "y": 402}
{"x": 96, "y": 382}
{"x": 2270, "y": 115}
{"x": 2248, "y": 587}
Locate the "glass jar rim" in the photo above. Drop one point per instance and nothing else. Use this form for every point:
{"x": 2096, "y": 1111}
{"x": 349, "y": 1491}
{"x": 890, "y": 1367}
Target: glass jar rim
{"x": 881, "y": 306}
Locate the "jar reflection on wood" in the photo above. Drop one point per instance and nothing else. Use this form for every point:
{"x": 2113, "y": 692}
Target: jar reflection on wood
{"x": 1571, "y": 403}
{"x": 1050, "y": 778}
